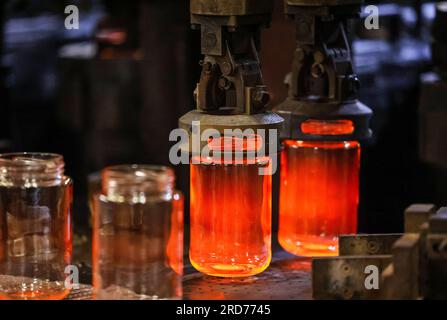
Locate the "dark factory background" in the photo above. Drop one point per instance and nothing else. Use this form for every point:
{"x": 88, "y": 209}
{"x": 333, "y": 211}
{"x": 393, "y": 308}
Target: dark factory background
{"x": 111, "y": 92}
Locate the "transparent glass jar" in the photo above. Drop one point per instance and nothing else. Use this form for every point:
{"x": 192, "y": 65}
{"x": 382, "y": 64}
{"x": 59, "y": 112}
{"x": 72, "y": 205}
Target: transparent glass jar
{"x": 138, "y": 235}
{"x": 35, "y": 226}
{"x": 230, "y": 212}
{"x": 319, "y": 190}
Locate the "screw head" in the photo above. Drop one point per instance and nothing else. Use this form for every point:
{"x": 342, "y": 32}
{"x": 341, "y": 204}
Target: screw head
{"x": 207, "y": 66}
{"x": 227, "y": 68}
{"x": 224, "y": 83}
{"x": 209, "y": 40}
{"x": 373, "y": 247}
{"x": 346, "y": 268}
{"x": 317, "y": 70}
{"x": 261, "y": 96}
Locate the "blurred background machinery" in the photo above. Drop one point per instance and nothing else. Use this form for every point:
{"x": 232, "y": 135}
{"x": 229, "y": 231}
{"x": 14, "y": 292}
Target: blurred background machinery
{"x": 107, "y": 93}
{"x": 433, "y": 110}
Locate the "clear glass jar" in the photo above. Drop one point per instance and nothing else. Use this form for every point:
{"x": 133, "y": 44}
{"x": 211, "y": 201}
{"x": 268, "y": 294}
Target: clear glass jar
{"x": 35, "y": 226}
{"x": 230, "y": 213}
{"x": 319, "y": 191}
{"x": 138, "y": 235}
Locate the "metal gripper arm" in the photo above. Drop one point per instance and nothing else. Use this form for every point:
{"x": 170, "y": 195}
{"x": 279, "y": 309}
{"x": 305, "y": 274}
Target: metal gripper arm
{"x": 231, "y": 81}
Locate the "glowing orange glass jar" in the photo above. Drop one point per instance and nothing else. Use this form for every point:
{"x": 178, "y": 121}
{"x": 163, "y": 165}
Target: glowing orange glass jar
{"x": 230, "y": 213}
{"x": 319, "y": 190}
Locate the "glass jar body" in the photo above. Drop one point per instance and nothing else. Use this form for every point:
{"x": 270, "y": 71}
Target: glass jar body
{"x": 138, "y": 240}
{"x": 35, "y": 227}
{"x": 230, "y": 217}
{"x": 319, "y": 194}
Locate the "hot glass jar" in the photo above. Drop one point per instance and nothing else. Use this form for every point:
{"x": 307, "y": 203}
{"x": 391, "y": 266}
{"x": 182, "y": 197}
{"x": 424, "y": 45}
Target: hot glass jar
{"x": 319, "y": 190}
{"x": 138, "y": 234}
{"x": 231, "y": 210}
{"x": 35, "y": 226}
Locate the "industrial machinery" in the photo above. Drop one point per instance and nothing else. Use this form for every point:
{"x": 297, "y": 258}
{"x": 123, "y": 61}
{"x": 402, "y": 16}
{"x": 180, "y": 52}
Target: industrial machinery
{"x": 411, "y": 265}
{"x": 323, "y": 123}
{"x": 432, "y": 108}
{"x": 231, "y": 92}
{"x": 408, "y": 266}
{"x": 230, "y": 236}
{"x": 322, "y": 83}
{"x": 119, "y": 105}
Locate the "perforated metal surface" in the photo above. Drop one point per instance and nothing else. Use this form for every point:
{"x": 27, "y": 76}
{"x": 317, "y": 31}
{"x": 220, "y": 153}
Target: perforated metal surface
{"x": 287, "y": 278}
{"x": 83, "y": 293}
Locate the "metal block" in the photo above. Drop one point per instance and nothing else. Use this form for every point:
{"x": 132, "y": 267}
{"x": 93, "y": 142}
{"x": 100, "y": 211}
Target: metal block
{"x": 386, "y": 279}
{"x": 211, "y": 37}
{"x": 404, "y": 283}
{"x": 344, "y": 277}
{"x": 416, "y": 215}
{"x": 370, "y": 244}
{"x": 436, "y": 248}
{"x": 437, "y": 237}
{"x": 438, "y": 222}
{"x": 414, "y": 268}
{"x": 231, "y": 7}
{"x": 320, "y": 3}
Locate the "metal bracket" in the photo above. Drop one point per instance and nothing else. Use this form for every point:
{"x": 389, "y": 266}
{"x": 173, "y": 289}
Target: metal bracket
{"x": 322, "y": 84}
{"x": 411, "y": 266}
{"x": 231, "y": 80}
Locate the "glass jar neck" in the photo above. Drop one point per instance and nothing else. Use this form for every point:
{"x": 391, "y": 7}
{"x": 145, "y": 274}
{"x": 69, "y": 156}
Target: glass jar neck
{"x": 137, "y": 183}
{"x": 31, "y": 170}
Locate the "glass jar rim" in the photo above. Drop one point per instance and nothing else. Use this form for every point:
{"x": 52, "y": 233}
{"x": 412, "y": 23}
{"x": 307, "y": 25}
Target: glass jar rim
{"x": 136, "y": 181}
{"x": 132, "y": 168}
{"x": 28, "y": 162}
{"x": 31, "y": 169}
{"x": 31, "y": 159}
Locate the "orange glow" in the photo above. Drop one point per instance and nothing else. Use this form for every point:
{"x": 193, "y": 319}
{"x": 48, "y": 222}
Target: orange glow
{"x": 230, "y": 216}
{"x": 229, "y": 144}
{"x": 47, "y": 294}
{"x": 175, "y": 242}
{"x": 112, "y": 36}
{"x": 48, "y": 241}
{"x": 328, "y": 127}
{"x": 319, "y": 195}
